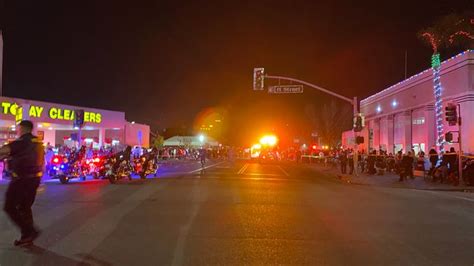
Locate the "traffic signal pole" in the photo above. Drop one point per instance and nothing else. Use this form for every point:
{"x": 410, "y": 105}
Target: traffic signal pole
{"x": 352, "y": 101}
{"x": 460, "y": 143}
{"x": 316, "y": 87}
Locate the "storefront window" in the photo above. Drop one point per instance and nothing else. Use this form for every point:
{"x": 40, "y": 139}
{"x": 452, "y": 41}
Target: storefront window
{"x": 419, "y": 121}
{"x": 419, "y": 147}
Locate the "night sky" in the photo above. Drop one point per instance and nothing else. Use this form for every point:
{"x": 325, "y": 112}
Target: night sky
{"x": 162, "y": 62}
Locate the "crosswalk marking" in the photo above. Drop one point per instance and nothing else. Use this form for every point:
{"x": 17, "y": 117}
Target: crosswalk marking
{"x": 205, "y": 167}
{"x": 242, "y": 170}
{"x": 283, "y": 170}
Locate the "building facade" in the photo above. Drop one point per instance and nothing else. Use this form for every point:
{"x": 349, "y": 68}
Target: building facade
{"x": 54, "y": 124}
{"x": 402, "y": 116}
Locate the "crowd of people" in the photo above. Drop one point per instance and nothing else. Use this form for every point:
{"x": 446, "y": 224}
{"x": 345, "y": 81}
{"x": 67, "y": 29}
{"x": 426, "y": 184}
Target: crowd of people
{"x": 438, "y": 167}
{"x": 164, "y": 153}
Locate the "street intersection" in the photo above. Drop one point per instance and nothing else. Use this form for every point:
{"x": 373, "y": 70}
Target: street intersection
{"x": 243, "y": 213}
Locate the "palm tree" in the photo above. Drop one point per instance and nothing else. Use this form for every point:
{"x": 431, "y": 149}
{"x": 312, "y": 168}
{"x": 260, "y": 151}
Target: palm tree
{"x": 448, "y": 31}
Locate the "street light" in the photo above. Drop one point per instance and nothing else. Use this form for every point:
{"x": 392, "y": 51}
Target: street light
{"x": 201, "y": 138}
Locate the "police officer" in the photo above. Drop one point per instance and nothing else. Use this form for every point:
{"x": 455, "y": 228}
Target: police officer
{"x": 26, "y": 161}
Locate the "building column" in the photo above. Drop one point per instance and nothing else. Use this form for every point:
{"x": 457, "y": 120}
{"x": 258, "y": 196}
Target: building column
{"x": 101, "y": 137}
{"x": 386, "y": 133}
{"x": 370, "y": 135}
{"x": 430, "y": 126}
{"x": 407, "y": 127}
{"x": 390, "y": 135}
{"x": 377, "y": 133}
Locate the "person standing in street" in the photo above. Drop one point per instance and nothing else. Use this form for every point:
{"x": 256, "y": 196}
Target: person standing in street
{"x": 26, "y": 162}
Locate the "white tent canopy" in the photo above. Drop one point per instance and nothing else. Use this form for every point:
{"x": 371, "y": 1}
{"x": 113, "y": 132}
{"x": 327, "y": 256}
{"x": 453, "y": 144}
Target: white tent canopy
{"x": 189, "y": 141}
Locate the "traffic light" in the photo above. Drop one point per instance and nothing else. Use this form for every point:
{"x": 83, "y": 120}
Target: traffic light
{"x": 258, "y": 78}
{"x": 451, "y": 114}
{"x": 359, "y": 140}
{"x": 358, "y": 123}
{"x": 448, "y": 137}
{"x": 78, "y": 118}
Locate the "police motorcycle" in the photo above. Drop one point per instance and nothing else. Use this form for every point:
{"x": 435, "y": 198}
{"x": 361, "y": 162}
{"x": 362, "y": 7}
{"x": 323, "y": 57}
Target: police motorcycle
{"x": 53, "y": 166}
{"x": 118, "y": 166}
{"x": 147, "y": 164}
{"x": 94, "y": 166}
{"x": 70, "y": 168}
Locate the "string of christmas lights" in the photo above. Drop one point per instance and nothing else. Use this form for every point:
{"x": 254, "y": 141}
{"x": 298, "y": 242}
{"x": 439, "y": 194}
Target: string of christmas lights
{"x": 414, "y": 77}
{"x": 460, "y": 33}
{"x": 436, "y": 65}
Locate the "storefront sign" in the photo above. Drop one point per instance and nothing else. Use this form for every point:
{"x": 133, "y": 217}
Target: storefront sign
{"x": 19, "y": 114}
{"x": 54, "y": 113}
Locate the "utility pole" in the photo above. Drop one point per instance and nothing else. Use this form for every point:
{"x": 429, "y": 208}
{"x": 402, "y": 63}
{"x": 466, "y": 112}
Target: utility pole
{"x": 406, "y": 63}
{"x": 460, "y": 142}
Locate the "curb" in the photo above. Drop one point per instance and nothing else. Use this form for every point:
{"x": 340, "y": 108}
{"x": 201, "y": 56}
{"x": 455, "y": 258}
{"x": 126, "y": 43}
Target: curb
{"x": 348, "y": 180}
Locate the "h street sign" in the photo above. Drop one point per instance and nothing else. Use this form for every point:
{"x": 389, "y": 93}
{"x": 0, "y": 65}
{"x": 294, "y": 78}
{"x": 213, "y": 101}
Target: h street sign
{"x": 285, "y": 89}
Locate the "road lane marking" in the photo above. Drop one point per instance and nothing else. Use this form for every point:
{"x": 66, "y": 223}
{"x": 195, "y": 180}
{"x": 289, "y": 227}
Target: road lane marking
{"x": 449, "y": 196}
{"x": 242, "y": 170}
{"x": 261, "y": 174}
{"x": 283, "y": 170}
{"x": 205, "y": 167}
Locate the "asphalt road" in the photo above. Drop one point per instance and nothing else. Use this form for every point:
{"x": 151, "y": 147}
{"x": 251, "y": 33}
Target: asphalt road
{"x": 246, "y": 213}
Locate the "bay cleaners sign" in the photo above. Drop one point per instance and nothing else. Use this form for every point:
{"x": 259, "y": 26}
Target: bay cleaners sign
{"x": 55, "y": 113}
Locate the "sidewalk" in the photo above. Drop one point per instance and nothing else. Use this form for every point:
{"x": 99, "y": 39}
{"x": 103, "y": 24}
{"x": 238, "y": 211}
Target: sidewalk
{"x": 391, "y": 180}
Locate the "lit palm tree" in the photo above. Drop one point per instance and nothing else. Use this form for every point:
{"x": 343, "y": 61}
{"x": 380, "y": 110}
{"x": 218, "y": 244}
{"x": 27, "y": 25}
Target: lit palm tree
{"x": 448, "y": 31}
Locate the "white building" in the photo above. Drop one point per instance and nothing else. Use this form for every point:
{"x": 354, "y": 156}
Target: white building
{"x": 190, "y": 141}
{"x": 403, "y": 116}
{"x": 54, "y": 124}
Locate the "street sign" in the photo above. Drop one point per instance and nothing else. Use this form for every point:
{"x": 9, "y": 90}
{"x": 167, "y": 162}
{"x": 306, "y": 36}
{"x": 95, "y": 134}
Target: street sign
{"x": 282, "y": 89}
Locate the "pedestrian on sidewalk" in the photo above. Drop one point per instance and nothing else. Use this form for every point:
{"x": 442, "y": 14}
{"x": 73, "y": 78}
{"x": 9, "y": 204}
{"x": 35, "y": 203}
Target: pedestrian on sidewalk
{"x": 298, "y": 156}
{"x": 451, "y": 159}
{"x": 351, "y": 162}
{"x": 26, "y": 162}
{"x": 433, "y": 160}
{"x": 371, "y": 162}
{"x": 343, "y": 160}
{"x": 407, "y": 166}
